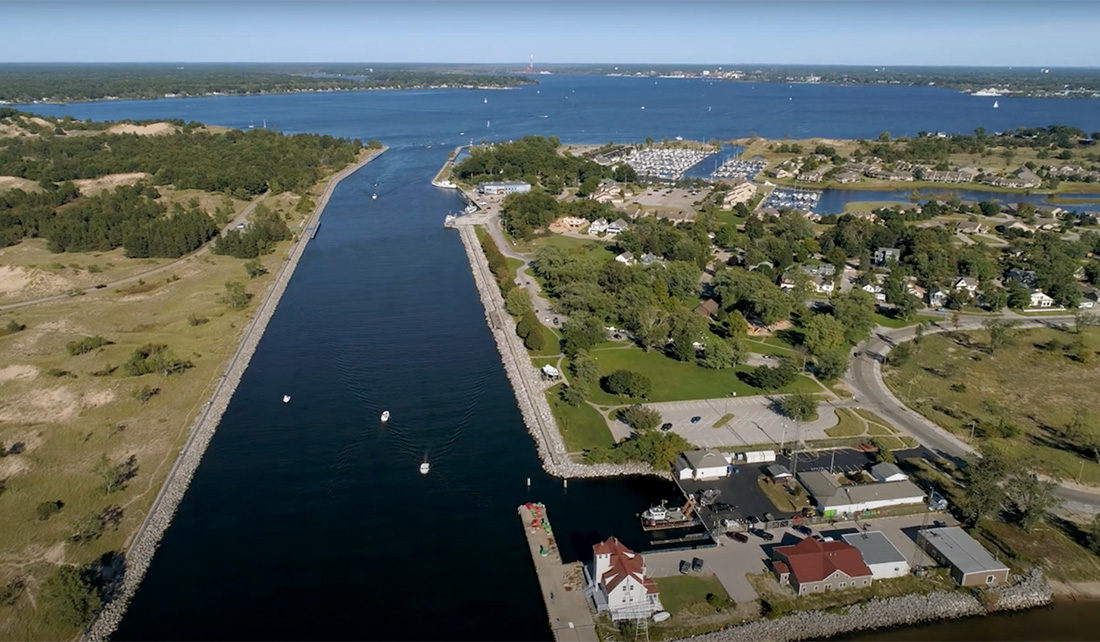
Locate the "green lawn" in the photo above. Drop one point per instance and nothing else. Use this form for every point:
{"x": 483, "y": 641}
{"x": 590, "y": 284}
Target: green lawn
{"x": 1035, "y": 384}
{"x": 678, "y": 380}
{"x": 849, "y": 426}
{"x": 688, "y": 593}
{"x": 775, "y": 347}
{"x": 782, "y": 600}
{"x": 581, "y": 427}
{"x": 580, "y": 246}
{"x": 891, "y": 322}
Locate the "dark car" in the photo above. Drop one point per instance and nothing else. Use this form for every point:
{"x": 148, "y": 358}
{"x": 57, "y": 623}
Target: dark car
{"x": 696, "y": 564}
{"x": 684, "y": 567}
{"x": 696, "y": 419}
{"x": 751, "y": 519}
{"x": 805, "y": 530}
{"x": 555, "y": 320}
{"x": 666, "y": 427}
{"x": 740, "y": 537}
{"x": 721, "y": 507}
{"x": 763, "y": 534}
{"x": 100, "y": 286}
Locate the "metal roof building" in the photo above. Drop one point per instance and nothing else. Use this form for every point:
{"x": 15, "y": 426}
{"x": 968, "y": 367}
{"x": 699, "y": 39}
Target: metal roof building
{"x": 880, "y": 555}
{"x": 970, "y": 563}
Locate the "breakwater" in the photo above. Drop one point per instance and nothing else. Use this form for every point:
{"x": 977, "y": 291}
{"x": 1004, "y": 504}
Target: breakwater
{"x": 906, "y": 610}
{"x": 159, "y": 518}
{"x": 526, "y": 381}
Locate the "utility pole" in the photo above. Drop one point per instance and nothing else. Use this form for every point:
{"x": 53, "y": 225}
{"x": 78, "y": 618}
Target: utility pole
{"x": 832, "y": 456}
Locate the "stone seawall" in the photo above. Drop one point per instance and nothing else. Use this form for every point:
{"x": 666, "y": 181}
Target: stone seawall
{"x": 526, "y": 380}
{"x": 893, "y": 612}
{"x": 145, "y": 542}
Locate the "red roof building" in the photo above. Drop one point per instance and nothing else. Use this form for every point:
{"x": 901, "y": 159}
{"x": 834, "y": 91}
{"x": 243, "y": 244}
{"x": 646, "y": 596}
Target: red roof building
{"x": 618, "y": 581}
{"x": 812, "y": 566}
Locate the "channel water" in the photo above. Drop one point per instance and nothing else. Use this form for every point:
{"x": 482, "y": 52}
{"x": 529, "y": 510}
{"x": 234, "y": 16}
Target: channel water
{"x": 310, "y": 519}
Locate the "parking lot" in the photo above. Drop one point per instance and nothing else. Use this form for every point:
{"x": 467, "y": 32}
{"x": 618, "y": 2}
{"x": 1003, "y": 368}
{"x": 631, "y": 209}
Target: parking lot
{"x": 754, "y": 422}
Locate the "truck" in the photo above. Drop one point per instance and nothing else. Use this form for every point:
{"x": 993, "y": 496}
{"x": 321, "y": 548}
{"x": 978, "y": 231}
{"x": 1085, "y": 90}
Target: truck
{"x": 758, "y": 456}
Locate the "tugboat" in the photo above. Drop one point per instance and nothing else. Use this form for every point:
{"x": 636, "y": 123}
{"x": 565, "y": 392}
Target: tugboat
{"x": 660, "y": 517}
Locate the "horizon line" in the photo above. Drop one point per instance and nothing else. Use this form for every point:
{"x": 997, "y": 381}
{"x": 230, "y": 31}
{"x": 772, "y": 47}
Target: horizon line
{"x": 544, "y": 64}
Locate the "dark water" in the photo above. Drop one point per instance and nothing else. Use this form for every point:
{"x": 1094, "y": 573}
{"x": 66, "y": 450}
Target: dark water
{"x": 1063, "y": 621}
{"x": 309, "y": 520}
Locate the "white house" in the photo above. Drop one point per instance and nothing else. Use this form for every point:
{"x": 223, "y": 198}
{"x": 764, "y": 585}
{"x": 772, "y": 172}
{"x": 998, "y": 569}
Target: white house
{"x": 616, "y": 226}
{"x": 884, "y": 255}
{"x": 887, "y": 472}
{"x": 626, "y": 258}
{"x": 938, "y": 298}
{"x": 1040, "y": 299}
{"x": 617, "y": 582}
{"x": 876, "y": 290}
{"x": 822, "y": 285}
{"x": 598, "y": 226}
{"x": 702, "y": 465}
{"x": 879, "y": 554}
{"x": 967, "y": 283}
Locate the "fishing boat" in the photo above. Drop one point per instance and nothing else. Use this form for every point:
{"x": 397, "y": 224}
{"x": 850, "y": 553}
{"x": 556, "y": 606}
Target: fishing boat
{"x": 424, "y": 468}
{"x": 286, "y": 398}
{"x": 385, "y": 415}
{"x": 660, "y": 517}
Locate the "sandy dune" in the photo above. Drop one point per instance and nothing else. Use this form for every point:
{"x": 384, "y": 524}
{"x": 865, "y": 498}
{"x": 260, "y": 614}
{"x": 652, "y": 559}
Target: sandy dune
{"x": 15, "y": 182}
{"x": 152, "y": 129}
{"x": 92, "y": 186}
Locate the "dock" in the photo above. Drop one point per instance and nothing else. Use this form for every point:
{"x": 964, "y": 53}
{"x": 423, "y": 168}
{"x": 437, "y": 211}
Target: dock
{"x": 562, "y": 585}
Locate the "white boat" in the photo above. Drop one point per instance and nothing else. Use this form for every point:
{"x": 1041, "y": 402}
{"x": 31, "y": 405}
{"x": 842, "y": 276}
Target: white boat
{"x": 286, "y": 398}
{"x": 486, "y": 101}
{"x": 661, "y": 616}
{"x": 424, "y": 468}
{"x": 996, "y": 104}
{"x": 374, "y": 197}
{"x": 385, "y": 415}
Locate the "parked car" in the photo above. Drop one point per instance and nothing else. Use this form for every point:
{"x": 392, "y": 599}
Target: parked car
{"x": 768, "y": 517}
{"x": 751, "y": 519}
{"x": 666, "y": 427}
{"x": 740, "y": 537}
{"x": 697, "y": 564}
{"x": 805, "y": 530}
{"x": 684, "y": 567}
{"x": 721, "y": 506}
{"x": 763, "y": 534}
{"x": 240, "y": 226}
{"x": 696, "y": 419}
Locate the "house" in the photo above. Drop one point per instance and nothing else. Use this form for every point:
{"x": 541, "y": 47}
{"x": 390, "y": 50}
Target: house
{"x": 649, "y": 259}
{"x": 707, "y": 308}
{"x": 1026, "y": 278}
{"x": 819, "y": 269}
{"x": 598, "y": 226}
{"x": 778, "y": 472}
{"x": 504, "y": 187}
{"x": 813, "y": 176}
{"x": 887, "y": 472}
{"x": 847, "y": 176}
{"x": 618, "y": 225}
{"x": 938, "y": 298}
{"x": 550, "y": 372}
{"x": 741, "y": 191}
{"x": 884, "y": 255}
{"x": 1090, "y": 296}
{"x": 969, "y": 227}
{"x": 811, "y": 566}
{"x": 617, "y": 582}
{"x": 702, "y": 465}
{"x": 912, "y": 288}
{"x": 1040, "y": 299}
{"x": 822, "y": 285}
{"x": 626, "y": 258}
{"x": 876, "y": 290}
{"x": 833, "y": 499}
{"x": 786, "y": 283}
{"x": 966, "y": 283}
{"x": 879, "y": 554}
{"x": 970, "y": 564}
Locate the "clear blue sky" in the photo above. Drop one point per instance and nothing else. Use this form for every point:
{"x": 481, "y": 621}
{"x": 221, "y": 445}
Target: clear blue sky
{"x": 870, "y": 32}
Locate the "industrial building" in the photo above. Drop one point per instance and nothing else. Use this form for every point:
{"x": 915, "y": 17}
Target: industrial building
{"x": 832, "y": 499}
{"x": 970, "y": 563}
{"x": 879, "y": 554}
{"x": 505, "y": 187}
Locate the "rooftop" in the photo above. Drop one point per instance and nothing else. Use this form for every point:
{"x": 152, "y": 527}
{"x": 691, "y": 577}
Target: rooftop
{"x": 961, "y": 550}
{"x": 874, "y": 547}
{"x": 813, "y": 561}
{"x": 704, "y": 459}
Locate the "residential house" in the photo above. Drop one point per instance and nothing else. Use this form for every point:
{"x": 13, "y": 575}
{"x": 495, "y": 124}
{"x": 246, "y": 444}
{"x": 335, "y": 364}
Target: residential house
{"x": 702, "y": 465}
{"x": 1090, "y": 296}
{"x": 616, "y": 226}
{"x": 811, "y": 566}
{"x": 969, "y": 227}
{"x": 876, "y": 290}
{"x": 617, "y": 582}
{"x": 648, "y": 259}
{"x": 833, "y": 499}
{"x": 626, "y": 258}
{"x": 1026, "y": 278}
{"x": 707, "y": 308}
{"x": 1040, "y": 299}
{"x": 879, "y": 554}
{"x": 938, "y": 298}
{"x": 884, "y": 255}
{"x": 598, "y": 226}
{"x": 848, "y": 176}
{"x": 823, "y": 285}
{"x": 966, "y": 284}
{"x": 819, "y": 269}
{"x": 970, "y": 564}
{"x": 813, "y": 176}
{"x": 786, "y": 282}
{"x": 912, "y": 288}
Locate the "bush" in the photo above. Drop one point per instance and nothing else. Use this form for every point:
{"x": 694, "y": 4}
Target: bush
{"x": 768, "y": 378}
{"x": 254, "y": 268}
{"x": 45, "y": 510}
{"x": 800, "y": 406}
{"x": 14, "y": 326}
{"x": 145, "y": 393}
{"x": 627, "y": 384}
{"x": 155, "y": 358}
{"x": 640, "y": 419}
{"x": 195, "y": 320}
{"x": 69, "y": 596}
{"x": 571, "y": 396}
{"x": 86, "y": 345}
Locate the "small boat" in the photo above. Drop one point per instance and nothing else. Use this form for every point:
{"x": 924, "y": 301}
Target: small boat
{"x": 995, "y": 104}
{"x": 286, "y": 398}
{"x": 424, "y": 468}
{"x": 385, "y": 415}
{"x": 661, "y": 616}
{"x": 486, "y": 101}
{"x": 374, "y": 196}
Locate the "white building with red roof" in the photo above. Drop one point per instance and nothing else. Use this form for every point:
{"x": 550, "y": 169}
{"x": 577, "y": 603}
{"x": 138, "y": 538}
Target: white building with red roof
{"x": 617, "y": 582}
{"x": 812, "y": 566}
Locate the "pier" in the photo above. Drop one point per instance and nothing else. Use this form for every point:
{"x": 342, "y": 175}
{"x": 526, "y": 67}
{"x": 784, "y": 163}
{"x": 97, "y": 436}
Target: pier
{"x": 562, "y": 585}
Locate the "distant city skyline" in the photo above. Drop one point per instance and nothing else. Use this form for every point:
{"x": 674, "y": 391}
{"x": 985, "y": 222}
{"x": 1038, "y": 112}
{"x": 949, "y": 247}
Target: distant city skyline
{"x": 929, "y": 32}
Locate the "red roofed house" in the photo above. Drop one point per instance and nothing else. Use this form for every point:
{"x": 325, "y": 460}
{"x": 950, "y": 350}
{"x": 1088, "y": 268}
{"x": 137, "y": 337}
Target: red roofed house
{"x": 617, "y": 582}
{"x": 814, "y": 567}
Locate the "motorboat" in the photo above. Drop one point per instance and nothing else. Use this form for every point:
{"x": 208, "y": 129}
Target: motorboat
{"x": 385, "y": 415}
{"x": 286, "y": 398}
{"x": 424, "y": 468}
{"x": 374, "y": 196}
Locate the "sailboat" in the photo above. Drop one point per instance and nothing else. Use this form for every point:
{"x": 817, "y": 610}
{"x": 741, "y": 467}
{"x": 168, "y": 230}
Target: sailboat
{"x": 486, "y": 124}
{"x": 996, "y": 104}
{"x": 385, "y": 415}
{"x": 286, "y": 398}
{"x": 486, "y": 101}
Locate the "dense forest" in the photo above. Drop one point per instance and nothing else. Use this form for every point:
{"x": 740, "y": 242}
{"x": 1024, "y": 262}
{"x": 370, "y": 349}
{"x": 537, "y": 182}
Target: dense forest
{"x": 26, "y": 83}
{"x": 533, "y": 159}
{"x": 239, "y": 164}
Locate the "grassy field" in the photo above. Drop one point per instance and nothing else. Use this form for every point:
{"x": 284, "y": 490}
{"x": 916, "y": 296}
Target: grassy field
{"x": 581, "y": 427}
{"x": 69, "y": 411}
{"x": 678, "y": 380}
{"x": 1033, "y": 385}
{"x": 687, "y": 594}
{"x": 891, "y": 322}
{"x": 779, "y": 497}
{"x": 781, "y": 600}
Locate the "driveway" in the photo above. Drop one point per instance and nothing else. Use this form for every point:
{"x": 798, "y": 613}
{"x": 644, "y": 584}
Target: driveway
{"x": 754, "y": 422}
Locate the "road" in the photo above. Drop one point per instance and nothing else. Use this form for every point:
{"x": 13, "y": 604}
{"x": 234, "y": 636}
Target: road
{"x": 240, "y": 218}
{"x": 864, "y": 379}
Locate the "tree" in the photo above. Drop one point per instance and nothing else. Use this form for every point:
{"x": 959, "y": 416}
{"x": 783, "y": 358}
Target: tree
{"x": 994, "y": 298}
{"x": 855, "y": 310}
{"x": 832, "y": 365}
{"x": 1030, "y": 498}
{"x": 1083, "y": 319}
{"x": 518, "y": 302}
{"x": 984, "y": 491}
{"x": 114, "y": 476}
{"x": 571, "y": 396}
{"x": 768, "y": 378}
{"x": 823, "y": 334}
{"x": 627, "y": 384}
{"x": 640, "y": 418}
{"x": 799, "y": 406}
{"x": 581, "y": 332}
{"x": 254, "y": 268}
{"x": 719, "y": 354}
{"x": 584, "y": 370}
{"x": 235, "y": 295}
{"x": 999, "y": 333}
{"x": 70, "y": 597}
{"x": 1018, "y": 296}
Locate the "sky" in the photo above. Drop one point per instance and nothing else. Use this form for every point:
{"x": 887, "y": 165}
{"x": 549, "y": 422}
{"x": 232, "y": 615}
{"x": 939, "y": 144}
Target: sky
{"x": 1053, "y": 33}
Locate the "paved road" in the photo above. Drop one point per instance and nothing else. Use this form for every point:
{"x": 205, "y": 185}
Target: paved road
{"x": 864, "y": 379}
{"x": 238, "y": 219}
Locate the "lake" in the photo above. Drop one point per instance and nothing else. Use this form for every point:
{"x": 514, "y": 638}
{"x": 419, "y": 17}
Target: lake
{"x": 310, "y": 520}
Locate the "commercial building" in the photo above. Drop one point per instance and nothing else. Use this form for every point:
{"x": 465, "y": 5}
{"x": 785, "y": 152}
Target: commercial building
{"x": 505, "y": 187}
{"x": 741, "y": 191}
{"x": 812, "y": 566}
{"x": 617, "y": 582}
{"x": 832, "y": 499}
{"x": 970, "y": 563}
{"x": 887, "y": 472}
{"x": 701, "y": 465}
{"x": 879, "y": 554}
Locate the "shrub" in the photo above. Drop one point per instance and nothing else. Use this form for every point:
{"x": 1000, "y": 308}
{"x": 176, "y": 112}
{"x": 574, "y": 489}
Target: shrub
{"x": 86, "y": 345}
{"x": 627, "y": 384}
{"x": 14, "y": 326}
{"x": 69, "y": 596}
{"x": 45, "y": 510}
{"x": 155, "y": 358}
{"x": 195, "y": 320}
{"x": 640, "y": 419}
